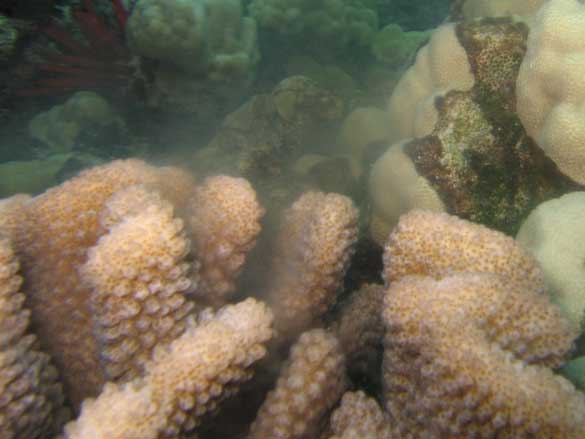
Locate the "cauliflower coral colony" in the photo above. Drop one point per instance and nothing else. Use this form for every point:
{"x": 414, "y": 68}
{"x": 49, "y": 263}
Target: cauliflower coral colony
{"x": 435, "y": 291}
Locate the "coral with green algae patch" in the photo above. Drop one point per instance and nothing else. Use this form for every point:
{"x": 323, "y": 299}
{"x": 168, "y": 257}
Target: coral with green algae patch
{"x": 478, "y": 157}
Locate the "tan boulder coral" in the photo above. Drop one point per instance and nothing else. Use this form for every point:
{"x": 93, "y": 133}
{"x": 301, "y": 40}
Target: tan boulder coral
{"x": 32, "y": 398}
{"x": 395, "y": 187}
{"x": 553, "y": 234}
{"x": 550, "y": 87}
{"x": 184, "y": 380}
{"x": 474, "y": 152}
{"x": 440, "y": 65}
{"x": 362, "y": 130}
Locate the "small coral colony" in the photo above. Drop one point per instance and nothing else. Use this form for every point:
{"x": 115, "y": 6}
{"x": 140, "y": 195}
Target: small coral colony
{"x": 292, "y": 219}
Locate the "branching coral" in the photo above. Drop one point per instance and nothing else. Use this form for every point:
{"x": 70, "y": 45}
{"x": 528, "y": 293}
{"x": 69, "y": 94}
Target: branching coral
{"x": 360, "y": 417}
{"x": 468, "y": 355}
{"x": 139, "y": 276}
{"x": 314, "y": 246}
{"x": 437, "y": 244}
{"x": 113, "y": 280}
{"x": 470, "y": 343}
{"x": 59, "y": 227}
{"x": 224, "y": 222}
{"x": 30, "y": 406}
{"x": 184, "y": 381}
{"x": 54, "y": 233}
{"x": 308, "y": 387}
{"x": 115, "y": 270}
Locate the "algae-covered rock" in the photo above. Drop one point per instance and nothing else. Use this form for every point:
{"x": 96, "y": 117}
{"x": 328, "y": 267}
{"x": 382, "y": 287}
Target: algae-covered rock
{"x": 328, "y": 76}
{"x": 269, "y": 130}
{"x": 475, "y": 153}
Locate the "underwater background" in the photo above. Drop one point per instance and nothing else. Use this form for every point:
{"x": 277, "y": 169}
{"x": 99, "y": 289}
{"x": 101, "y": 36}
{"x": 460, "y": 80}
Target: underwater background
{"x": 298, "y": 219}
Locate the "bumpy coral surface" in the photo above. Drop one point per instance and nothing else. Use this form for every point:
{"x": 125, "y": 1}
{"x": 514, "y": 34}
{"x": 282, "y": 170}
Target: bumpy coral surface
{"x": 31, "y": 396}
{"x": 224, "y": 223}
{"x": 551, "y": 91}
{"x": 553, "y": 234}
{"x": 53, "y": 233}
{"x": 60, "y": 225}
{"x": 307, "y": 388}
{"x": 436, "y": 245}
{"x": 139, "y": 276}
{"x": 183, "y": 381}
{"x": 360, "y": 417}
{"x": 468, "y": 356}
{"x": 313, "y": 251}
{"x": 440, "y": 65}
